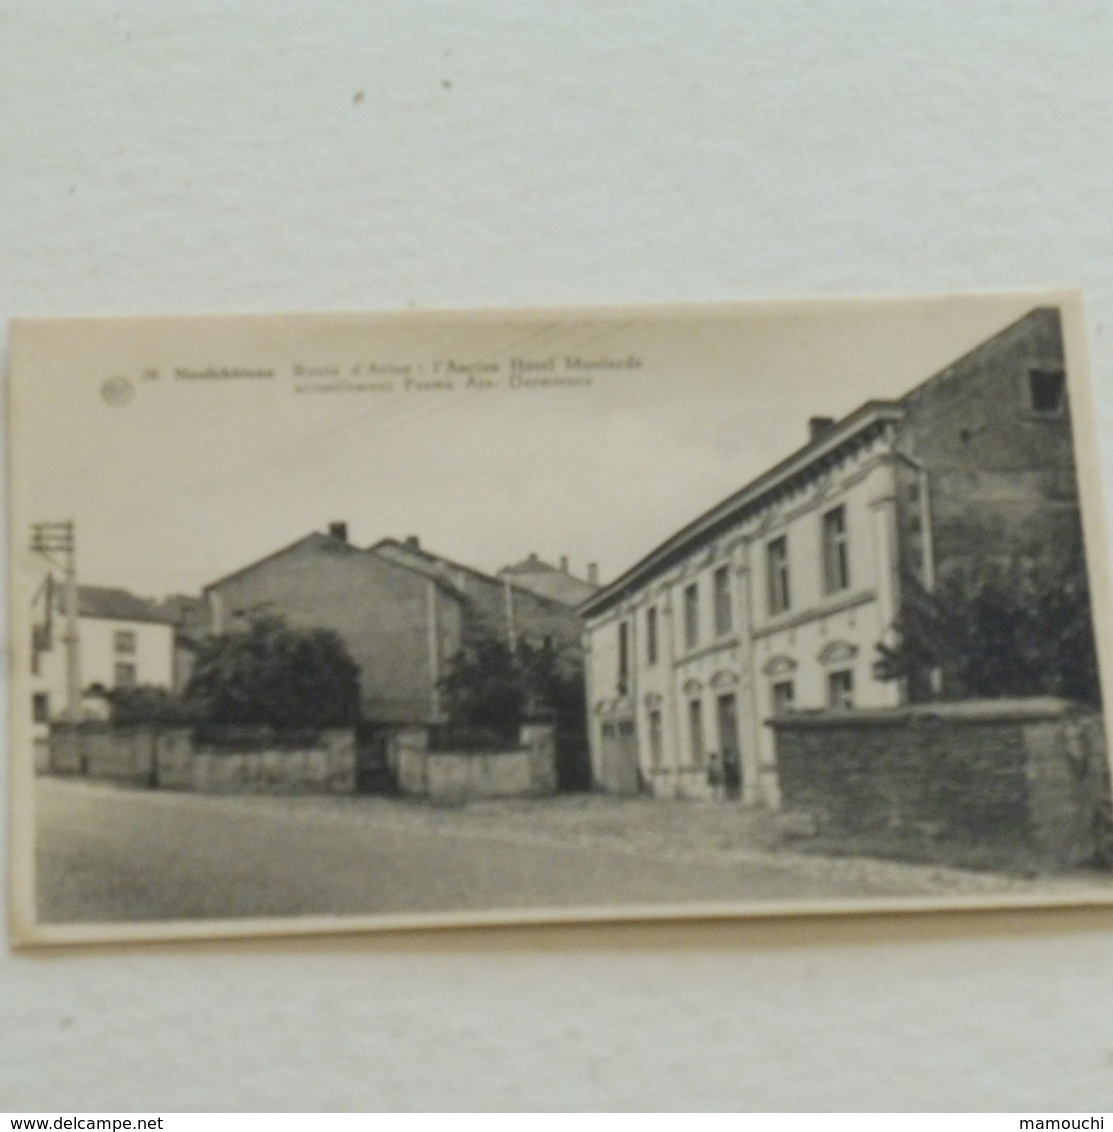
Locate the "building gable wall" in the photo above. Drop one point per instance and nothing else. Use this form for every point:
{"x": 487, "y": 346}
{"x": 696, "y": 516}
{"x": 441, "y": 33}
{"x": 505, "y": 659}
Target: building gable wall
{"x": 382, "y": 612}
{"x": 488, "y": 608}
{"x": 1000, "y": 474}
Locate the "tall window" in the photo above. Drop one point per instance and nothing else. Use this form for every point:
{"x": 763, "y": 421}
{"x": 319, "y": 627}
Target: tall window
{"x": 776, "y": 560}
{"x": 691, "y": 615}
{"x": 123, "y": 641}
{"x": 784, "y": 697}
{"x": 840, "y": 689}
{"x": 656, "y": 745}
{"x": 724, "y": 614}
{"x": 695, "y": 730}
{"x": 40, "y": 707}
{"x": 836, "y": 553}
{"x": 651, "y": 635}
{"x": 623, "y": 656}
{"x": 125, "y": 675}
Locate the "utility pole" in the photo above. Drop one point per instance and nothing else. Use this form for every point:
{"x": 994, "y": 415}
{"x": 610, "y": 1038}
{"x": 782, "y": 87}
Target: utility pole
{"x": 511, "y": 632}
{"x": 57, "y": 544}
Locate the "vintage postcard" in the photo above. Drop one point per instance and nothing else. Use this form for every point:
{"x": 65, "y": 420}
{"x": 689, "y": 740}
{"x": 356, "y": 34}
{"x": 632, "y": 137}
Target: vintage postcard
{"x": 345, "y": 621}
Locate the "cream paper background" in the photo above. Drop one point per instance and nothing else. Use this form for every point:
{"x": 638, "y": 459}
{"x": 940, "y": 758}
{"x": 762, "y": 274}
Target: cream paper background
{"x": 270, "y": 156}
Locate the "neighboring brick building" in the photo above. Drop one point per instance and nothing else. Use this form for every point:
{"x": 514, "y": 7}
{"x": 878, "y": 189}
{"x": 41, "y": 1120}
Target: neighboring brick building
{"x": 776, "y": 598}
{"x": 992, "y": 435}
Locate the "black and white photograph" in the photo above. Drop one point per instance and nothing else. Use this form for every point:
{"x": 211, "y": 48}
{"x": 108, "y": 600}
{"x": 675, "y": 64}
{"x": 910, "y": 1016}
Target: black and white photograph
{"x": 367, "y": 621}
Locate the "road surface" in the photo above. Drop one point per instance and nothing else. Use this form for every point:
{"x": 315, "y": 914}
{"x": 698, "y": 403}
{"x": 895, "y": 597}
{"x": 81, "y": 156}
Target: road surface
{"x": 109, "y": 854}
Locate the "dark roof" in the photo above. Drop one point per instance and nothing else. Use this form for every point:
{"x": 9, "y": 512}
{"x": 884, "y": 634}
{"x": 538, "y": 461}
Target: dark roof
{"x": 110, "y": 604}
{"x": 184, "y": 610}
{"x": 545, "y": 580}
{"x": 530, "y": 565}
{"x": 314, "y": 538}
{"x": 331, "y": 544}
{"x": 438, "y": 567}
{"x": 755, "y": 494}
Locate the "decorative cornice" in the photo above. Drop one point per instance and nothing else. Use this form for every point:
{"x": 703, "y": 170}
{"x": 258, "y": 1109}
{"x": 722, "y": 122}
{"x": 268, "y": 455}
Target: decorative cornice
{"x": 870, "y": 422}
{"x": 715, "y": 646}
{"x": 827, "y": 609}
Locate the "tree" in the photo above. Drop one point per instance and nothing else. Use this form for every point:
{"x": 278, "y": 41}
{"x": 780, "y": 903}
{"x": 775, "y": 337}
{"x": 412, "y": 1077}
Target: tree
{"x": 275, "y": 676}
{"x": 487, "y": 686}
{"x": 992, "y": 628}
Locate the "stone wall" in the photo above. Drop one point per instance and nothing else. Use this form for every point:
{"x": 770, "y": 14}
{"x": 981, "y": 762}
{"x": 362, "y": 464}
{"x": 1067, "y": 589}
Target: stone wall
{"x": 171, "y": 760}
{"x": 453, "y": 777}
{"x": 1004, "y": 784}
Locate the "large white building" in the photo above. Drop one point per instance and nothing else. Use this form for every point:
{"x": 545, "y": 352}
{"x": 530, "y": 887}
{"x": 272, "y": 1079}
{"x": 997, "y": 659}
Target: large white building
{"x": 777, "y": 598}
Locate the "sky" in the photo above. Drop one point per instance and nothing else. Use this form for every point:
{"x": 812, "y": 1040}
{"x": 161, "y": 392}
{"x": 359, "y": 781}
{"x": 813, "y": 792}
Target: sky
{"x": 175, "y": 477}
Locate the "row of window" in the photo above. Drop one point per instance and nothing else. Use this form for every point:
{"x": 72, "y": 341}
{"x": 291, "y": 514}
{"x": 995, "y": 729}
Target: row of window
{"x": 836, "y": 578}
{"x": 835, "y": 548}
{"x": 723, "y": 623}
{"x": 840, "y": 692}
{"x": 125, "y": 677}
{"x": 728, "y": 733}
{"x": 840, "y": 696}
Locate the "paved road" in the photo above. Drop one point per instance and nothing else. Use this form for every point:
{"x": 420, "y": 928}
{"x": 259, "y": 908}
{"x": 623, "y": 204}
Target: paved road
{"x": 106, "y": 853}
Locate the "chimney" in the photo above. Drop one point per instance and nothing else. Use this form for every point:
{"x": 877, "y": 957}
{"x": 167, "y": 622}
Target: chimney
{"x": 817, "y": 426}
{"x": 593, "y": 573}
{"x": 338, "y": 531}
{"x": 413, "y": 542}
{"x": 564, "y": 563}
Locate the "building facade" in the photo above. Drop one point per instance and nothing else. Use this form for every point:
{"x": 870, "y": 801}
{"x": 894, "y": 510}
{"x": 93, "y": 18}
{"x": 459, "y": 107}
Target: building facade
{"x": 403, "y": 613}
{"x": 500, "y": 607}
{"x": 399, "y": 625}
{"x": 124, "y": 642}
{"x": 776, "y": 599}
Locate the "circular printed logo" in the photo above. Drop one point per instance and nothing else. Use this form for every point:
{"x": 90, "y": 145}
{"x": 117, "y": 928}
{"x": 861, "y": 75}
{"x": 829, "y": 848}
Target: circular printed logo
{"x": 117, "y": 390}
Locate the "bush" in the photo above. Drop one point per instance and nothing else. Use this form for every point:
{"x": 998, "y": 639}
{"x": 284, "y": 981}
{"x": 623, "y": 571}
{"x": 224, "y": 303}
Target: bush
{"x": 149, "y": 705}
{"x": 271, "y": 675}
{"x": 1019, "y": 627}
{"x": 490, "y": 689}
